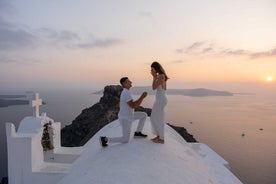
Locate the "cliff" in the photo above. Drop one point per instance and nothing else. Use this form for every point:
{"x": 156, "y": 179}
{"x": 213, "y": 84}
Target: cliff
{"x": 92, "y": 119}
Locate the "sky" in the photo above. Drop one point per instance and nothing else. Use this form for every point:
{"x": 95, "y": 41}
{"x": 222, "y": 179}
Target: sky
{"x": 90, "y": 44}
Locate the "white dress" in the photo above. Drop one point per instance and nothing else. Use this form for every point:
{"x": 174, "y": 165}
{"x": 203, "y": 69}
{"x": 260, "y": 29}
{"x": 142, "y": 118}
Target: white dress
{"x": 157, "y": 113}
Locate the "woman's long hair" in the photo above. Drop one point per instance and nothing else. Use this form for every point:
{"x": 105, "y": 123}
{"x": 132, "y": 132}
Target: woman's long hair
{"x": 159, "y": 69}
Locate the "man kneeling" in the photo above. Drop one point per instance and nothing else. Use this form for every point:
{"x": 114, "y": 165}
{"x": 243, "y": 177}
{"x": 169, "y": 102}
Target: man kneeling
{"x": 127, "y": 115}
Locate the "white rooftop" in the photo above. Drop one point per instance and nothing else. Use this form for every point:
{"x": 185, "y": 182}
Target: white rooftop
{"x": 139, "y": 161}
{"x": 142, "y": 161}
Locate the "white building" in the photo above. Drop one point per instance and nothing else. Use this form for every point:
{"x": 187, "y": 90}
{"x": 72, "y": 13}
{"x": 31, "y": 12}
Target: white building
{"x": 140, "y": 161}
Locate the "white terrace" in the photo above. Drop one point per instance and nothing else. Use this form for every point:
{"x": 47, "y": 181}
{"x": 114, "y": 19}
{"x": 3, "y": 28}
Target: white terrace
{"x": 140, "y": 161}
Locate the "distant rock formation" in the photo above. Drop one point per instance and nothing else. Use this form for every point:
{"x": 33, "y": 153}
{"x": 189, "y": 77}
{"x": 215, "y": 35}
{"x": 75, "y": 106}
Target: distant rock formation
{"x": 92, "y": 119}
{"x": 13, "y": 96}
{"x": 8, "y": 102}
{"x": 197, "y": 92}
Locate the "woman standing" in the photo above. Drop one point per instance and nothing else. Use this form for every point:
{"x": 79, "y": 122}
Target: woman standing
{"x": 159, "y": 84}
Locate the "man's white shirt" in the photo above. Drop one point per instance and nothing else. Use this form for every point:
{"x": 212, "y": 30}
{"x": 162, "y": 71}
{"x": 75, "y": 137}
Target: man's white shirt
{"x": 126, "y": 112}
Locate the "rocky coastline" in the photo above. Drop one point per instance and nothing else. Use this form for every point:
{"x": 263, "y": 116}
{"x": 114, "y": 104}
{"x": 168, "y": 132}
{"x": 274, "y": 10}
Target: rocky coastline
{"x": 92, "y": 119}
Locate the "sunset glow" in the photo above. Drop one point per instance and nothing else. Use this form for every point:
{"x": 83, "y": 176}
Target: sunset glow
{"x": 269, "y": 78}
{"x": 214, "y": 42}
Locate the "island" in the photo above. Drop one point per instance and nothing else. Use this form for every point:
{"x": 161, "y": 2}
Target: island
{"x": 10, "y": 100}
{"x": 197, "y": 92}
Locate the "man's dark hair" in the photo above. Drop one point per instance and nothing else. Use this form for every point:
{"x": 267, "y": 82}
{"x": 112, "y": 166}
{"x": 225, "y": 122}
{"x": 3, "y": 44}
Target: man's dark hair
{"x": 122, "y": 80}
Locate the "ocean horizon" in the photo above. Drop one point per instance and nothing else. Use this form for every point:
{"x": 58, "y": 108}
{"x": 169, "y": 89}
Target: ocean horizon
{"x": 218, "y": 121}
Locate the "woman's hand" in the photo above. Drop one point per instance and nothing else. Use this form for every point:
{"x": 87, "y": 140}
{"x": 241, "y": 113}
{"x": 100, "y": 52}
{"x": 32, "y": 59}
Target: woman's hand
{"x": 153, "y": 73}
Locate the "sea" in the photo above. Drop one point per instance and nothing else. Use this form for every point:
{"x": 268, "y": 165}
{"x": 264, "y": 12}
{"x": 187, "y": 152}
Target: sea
{"x": 240, "y": 128}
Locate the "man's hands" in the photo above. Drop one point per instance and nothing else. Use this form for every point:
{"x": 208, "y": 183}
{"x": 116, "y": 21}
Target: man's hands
{"x": 144, "y": 94}
{"x": 134, "y": 104}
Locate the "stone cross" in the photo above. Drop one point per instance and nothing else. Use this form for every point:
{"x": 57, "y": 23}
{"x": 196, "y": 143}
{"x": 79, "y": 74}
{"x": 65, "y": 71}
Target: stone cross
{"x": 35, "y": 104}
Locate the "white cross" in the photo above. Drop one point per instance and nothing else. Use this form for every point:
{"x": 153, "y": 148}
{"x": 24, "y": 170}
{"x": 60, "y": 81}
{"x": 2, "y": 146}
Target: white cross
{"x": 35, "y": 104}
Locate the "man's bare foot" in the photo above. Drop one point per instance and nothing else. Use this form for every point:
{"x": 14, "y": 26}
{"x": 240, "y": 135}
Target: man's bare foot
{"x": 161, "y": 141}
{"x": 155, "y": 138}
{"x": 158, "y": 140}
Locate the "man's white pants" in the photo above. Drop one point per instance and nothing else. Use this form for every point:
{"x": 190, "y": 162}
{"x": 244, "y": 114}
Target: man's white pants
{"x": 126, "y": 127}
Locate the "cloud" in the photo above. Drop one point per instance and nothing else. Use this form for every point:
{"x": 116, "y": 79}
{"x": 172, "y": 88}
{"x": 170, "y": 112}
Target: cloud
{"x": 205, "y": 47}
{"x": 250, "y": 54}
{"x": 7, "y": 60}
{"x": 99, "y": 43}
{"x": 14, "y": 38}
{"x": 270, "y": 53}
{"x": 57, "y": 36}
{"x": 179, "y": 50}
{"x": 20, "y": 60}
{"x": 71, "y": 39}
{"x": 195, "y": 45}
{"x": 237, "y": 52}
